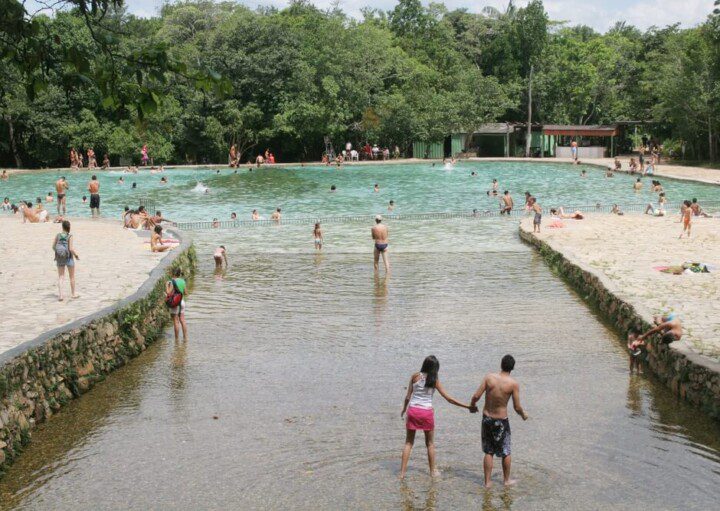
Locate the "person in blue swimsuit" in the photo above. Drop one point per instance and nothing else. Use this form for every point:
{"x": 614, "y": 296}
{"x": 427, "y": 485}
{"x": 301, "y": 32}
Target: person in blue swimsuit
{"x": 380, "y": 238}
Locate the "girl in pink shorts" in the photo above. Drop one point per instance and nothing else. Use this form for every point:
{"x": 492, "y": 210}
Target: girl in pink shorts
{"x": 420, "y": 415}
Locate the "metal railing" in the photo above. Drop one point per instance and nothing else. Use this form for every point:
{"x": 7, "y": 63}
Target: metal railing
{"x": 671, "y": 208}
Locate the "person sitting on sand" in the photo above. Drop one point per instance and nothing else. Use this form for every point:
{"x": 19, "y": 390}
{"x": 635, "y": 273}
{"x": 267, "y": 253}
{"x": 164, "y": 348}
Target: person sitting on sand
{"x": 29, "y": 213}
{"x": 156, "y": 242}
{"x": 618, "y": 165}
{"x": 43, "y": 214}
{"x": 577, "y": 215}
{"x": 696, "y": 209}
{"x": 660, "y": 211}
{"x": 669, "y": 326}
{"x": 616, "y": 210}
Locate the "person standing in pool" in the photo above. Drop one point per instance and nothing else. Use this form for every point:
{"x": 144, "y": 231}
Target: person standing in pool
{"x": 178, "y": 313}
{"x": 94, "y": 189}
{"x": 220, "y": 256}
{"x": 380, "y": 238}
{"x": 638, "y": 185}
{"x": 498, "y": 389}
{"x": 420, "y": 414}
{"x": 318, "y": 236}
{"x": 61, "y": 186}
{"x": 506, "y": 203}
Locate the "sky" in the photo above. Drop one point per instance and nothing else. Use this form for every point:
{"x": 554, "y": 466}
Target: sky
{"x": 599, "y": 14}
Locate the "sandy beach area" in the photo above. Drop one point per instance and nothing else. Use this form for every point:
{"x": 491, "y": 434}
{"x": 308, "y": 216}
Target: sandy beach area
{"x": 113, "y": 263}
{"x": 626, "y": 251}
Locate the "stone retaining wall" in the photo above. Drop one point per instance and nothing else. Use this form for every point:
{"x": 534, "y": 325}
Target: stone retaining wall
{"x": 38, "y": 377}
{"x": 690, "y": 376}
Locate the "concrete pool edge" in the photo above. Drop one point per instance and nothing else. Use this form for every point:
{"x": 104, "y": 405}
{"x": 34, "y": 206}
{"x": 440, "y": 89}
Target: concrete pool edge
{"x": 39, "y": 376}
{"x": 690, "y": 376}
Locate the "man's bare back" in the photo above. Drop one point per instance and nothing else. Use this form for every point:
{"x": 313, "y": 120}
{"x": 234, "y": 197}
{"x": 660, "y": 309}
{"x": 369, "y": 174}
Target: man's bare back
{"x": 499, "y": 388}
{"x": 60, "y": 186}
{"x": 379, "y": 233}
{"x": 94, "y": 186}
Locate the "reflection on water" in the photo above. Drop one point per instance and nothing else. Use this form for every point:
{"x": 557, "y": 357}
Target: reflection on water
{"x": 289, "y": 393}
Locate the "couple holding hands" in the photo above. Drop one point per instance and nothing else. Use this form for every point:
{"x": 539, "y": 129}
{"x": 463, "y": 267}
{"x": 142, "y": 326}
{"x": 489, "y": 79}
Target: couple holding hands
{"x": 498, "y": 389}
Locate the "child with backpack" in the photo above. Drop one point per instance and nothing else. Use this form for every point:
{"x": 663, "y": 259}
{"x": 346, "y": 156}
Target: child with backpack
{"x": 65, "y": 256}
{"x": 175, "y": 300}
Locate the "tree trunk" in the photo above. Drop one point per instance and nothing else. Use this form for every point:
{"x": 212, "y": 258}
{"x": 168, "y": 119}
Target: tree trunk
{"x": 528, "y": 141}
{"x": 711, "y": 141}
{"x": 13, "y": 142}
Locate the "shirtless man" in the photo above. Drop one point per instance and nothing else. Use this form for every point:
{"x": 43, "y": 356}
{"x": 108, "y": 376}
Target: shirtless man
{"x": 696, "y": 209}
{"x": 537, "y": 209}
{"x": 507, "y": 203}
{"x": 29, "y": 213}
{"x": 4, "y": 175}
{"x": 61, "y": 187}
{"x": 669, "y": 326}
{"x": 276, "y": 215}
{"x": 638, "y": 185}
{"x": 380, "y": 238}
{"x": 498, "y": 388}
{"x": 94, "y": 189}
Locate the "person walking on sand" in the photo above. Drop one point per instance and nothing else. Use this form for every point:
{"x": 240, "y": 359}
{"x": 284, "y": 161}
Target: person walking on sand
{"x": 177, "y": 285}
{"x": 61, "y": 187}
{"x": 220, "y": 256}
{"x": 318, "y": 236}
{"x": 94, "y": 189}
{"x": 65, "y": 257}
{"x": 380, "y": 238}
{"x": 498, "y": 389}
{"x": 687, "y": 214}
{"x": 420, "y": 414}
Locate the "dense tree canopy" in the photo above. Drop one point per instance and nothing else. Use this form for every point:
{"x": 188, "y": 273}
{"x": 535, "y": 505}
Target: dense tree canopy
{"x": 203, "y": 75}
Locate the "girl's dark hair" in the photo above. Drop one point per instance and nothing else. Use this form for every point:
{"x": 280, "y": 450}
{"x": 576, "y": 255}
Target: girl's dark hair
{"x": 66, "y": 225}
{"x": 158, "y": 229}
{"x": 430, "y": 367}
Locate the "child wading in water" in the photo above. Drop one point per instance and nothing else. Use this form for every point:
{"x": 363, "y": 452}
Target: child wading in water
{"x": 177, "y": 285}
{"x": 420, "y": 415}
{"x": 318, "y": 236}
{"x": 220, "y": 256}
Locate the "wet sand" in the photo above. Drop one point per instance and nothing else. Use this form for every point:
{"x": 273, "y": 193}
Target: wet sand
{"x": 114, "y": 262}
{"x": 624, "y": 251}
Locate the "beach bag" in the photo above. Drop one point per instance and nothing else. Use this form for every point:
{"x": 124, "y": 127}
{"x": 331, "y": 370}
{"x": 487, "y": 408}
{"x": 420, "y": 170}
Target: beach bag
{"x": 62, "y": 250}
{"x": 173, "y": 298}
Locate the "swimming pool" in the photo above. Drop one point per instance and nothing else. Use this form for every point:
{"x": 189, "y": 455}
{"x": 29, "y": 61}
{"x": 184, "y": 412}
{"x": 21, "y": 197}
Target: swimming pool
{"x": 305, "y": 191}
{"x": 303, "y": 358}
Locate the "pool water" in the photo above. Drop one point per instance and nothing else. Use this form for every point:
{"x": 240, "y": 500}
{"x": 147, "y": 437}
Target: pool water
{"x": 288, "y": 394}
{"x": 305, "y": 192}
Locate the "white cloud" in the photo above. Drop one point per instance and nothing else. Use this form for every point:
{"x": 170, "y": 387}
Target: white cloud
{"x": 599, "y": 14}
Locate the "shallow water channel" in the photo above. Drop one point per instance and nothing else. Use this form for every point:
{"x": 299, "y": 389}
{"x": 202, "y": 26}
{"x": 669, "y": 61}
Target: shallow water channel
{"x": 288, "y": 394}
